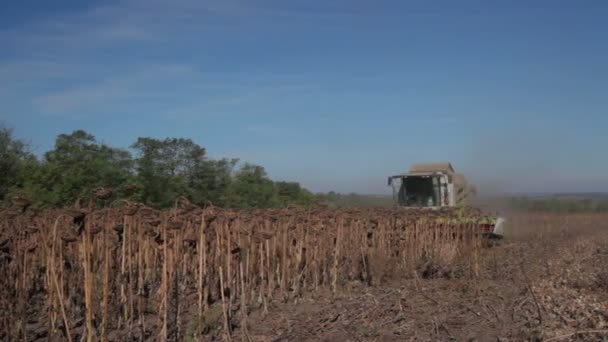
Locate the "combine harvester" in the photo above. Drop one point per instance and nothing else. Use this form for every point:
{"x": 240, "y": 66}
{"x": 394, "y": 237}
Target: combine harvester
{"x": 436, "y": 186}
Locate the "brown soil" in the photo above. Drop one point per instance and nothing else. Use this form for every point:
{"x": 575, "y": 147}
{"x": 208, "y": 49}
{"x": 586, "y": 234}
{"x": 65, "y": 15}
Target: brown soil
{"x": 547, "y": 281}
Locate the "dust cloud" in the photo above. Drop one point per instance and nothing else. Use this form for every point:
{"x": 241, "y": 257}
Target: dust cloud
{"x": 499, "y": 167}
{"x": 507, "y": 162}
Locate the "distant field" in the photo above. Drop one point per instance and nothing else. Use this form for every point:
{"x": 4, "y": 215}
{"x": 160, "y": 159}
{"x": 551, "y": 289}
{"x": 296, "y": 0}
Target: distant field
{"x": 551, "y": 202}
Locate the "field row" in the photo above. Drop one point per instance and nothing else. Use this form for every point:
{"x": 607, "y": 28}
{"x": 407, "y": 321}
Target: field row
{"x": 147, "y": 273}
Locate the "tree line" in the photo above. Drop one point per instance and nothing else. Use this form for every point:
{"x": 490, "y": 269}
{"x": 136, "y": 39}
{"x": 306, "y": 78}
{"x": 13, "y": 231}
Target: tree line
{"x": 152, "y": 171}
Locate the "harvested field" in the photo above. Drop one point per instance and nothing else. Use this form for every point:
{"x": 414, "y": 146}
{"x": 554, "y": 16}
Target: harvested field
{"x": 134, "y": 273}
{"x": 545, "y": 282}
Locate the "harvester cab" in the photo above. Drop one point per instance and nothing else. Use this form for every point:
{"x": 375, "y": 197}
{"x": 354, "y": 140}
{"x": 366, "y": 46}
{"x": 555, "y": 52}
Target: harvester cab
{"x": 435, "y": 186}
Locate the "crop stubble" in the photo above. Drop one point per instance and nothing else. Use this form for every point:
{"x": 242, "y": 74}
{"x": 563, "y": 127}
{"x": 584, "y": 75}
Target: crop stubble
{"x": 138, "y": 273}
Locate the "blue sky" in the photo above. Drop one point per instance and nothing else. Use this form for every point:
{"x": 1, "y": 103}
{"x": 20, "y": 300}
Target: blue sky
{"x": 334, "y": 94}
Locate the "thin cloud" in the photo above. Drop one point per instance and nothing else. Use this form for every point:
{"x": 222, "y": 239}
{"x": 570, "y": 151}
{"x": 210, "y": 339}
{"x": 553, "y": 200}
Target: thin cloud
{"x": 127, "y": 21}
{"x": 131, "y": 23}
{"x": 144, "y": 83}
{"x": 181, "y": 90}
{"x": 27, "y": 79}
{"x": 138, "y": 21}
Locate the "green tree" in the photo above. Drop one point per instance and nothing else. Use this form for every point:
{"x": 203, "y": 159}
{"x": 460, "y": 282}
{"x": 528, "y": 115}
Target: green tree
{"x": 76, "y": 165}
{"x": 292, "y": 193}
{"x": 175, "y": 167}
{"x": 163, "y": 170}
{"x": 211, "y": 180}
{"x": 251, "y": 188}
{"x": 14, "y": 155}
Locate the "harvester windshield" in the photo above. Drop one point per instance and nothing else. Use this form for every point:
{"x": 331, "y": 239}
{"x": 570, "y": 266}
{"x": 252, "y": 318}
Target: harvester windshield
{"x": 419, "y": 191}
